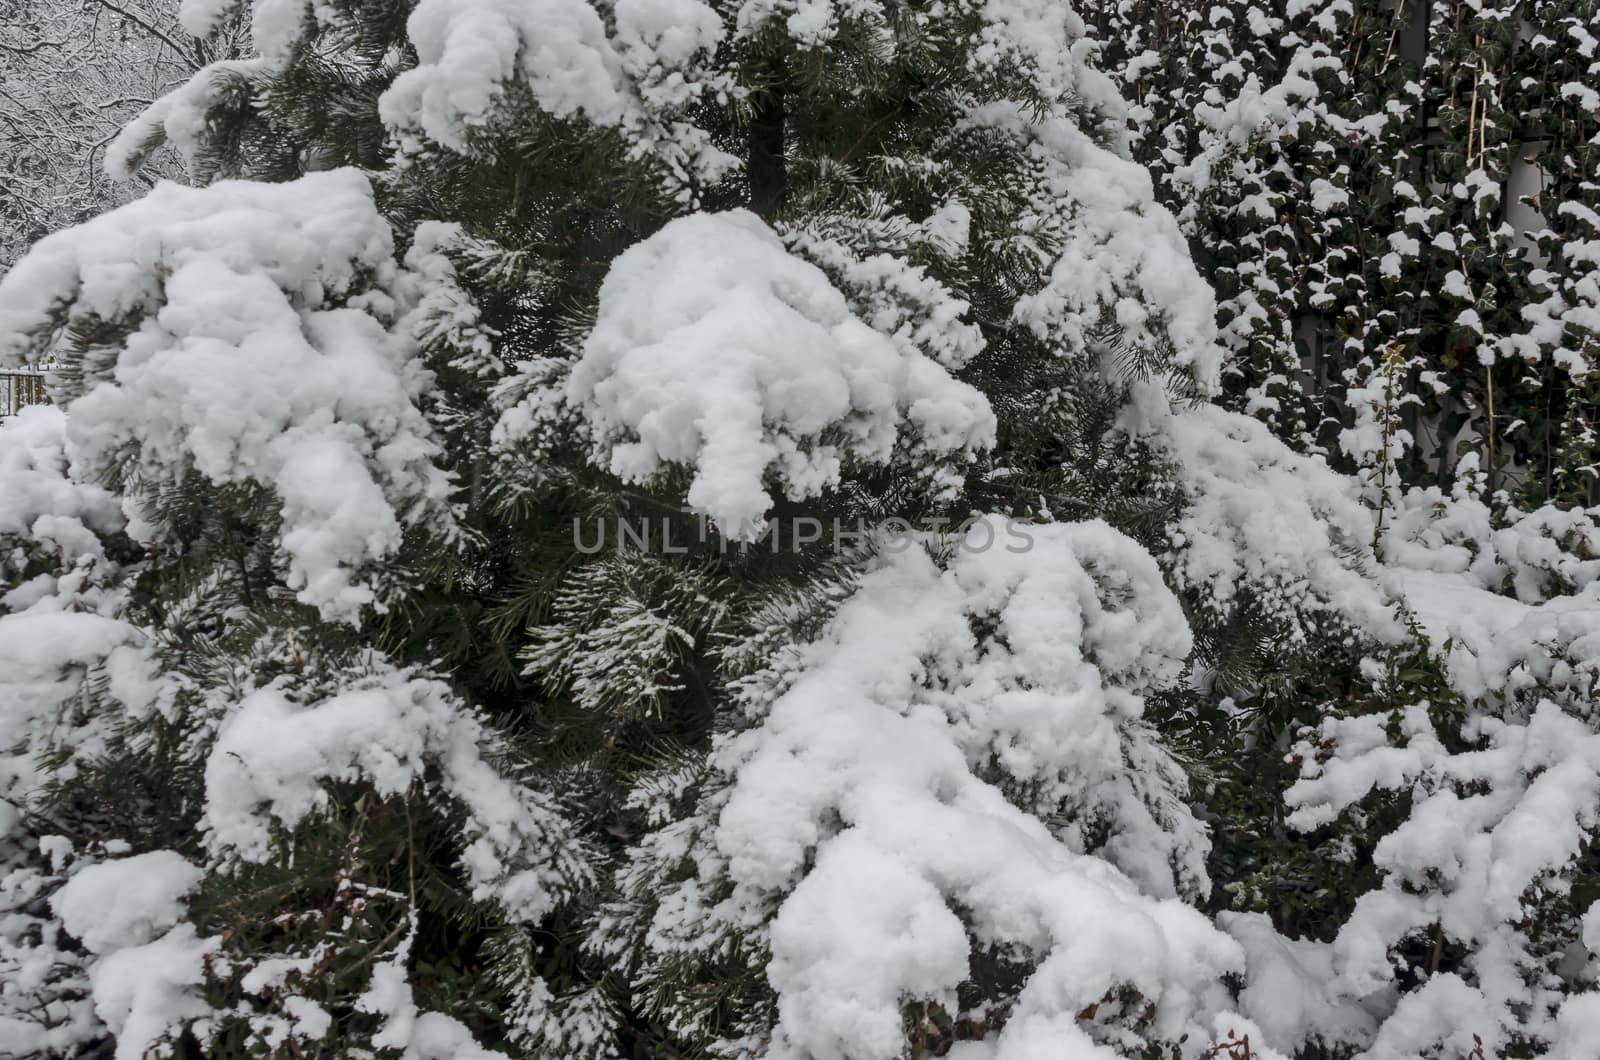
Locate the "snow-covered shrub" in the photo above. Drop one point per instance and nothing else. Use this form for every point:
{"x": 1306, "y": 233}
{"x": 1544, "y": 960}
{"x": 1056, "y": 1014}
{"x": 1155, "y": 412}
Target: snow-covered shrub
{"x": 252, "y": 335}
{"x": 322, "y": 732}
{"x": 955, "y": 714}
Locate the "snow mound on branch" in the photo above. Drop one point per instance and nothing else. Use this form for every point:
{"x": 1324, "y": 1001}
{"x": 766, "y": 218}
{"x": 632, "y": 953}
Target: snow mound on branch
{"x": 148, "y": 993}
{"x": 899, "y": 299}
{"x": 1487, "y": 828}
{"x": 716, "y": 349}
{"x": 858, "y": 810}
{"x": 63, "y": 622}
{"x": 1497, "y": 646}
{"x": 262, "y": 341}
{"x": 313, "y": 238}
{"x": 41, "y": 508}
{"x": 181, "y": 117}
{"x": 1289, "y": 987}
{"x": 1495, "y": 833}
{"x": 1284, "y": 528}
{"x": 178, "y": 118}
{"x": 390, "y": 728}
{"x": 1536, "y": 554}
{"x": 65, "y": 651}
{"x": 45, "y": 658}
{"x": 1453, "y": 560}
{"x": 638, "y": 82}
{"x": 149, "y": 965}
{"x": 1118, "y": 256}
{"x": 1048, "y": 40}
{"x": 408, "y": 1032}
{"x": 126, "y": 902}
{"x": 1042, "y": 43}
{"x": 275, "y": 25}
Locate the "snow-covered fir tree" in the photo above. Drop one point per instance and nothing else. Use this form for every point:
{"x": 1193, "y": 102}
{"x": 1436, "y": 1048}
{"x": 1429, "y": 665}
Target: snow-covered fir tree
{"x": 676, "y": 528}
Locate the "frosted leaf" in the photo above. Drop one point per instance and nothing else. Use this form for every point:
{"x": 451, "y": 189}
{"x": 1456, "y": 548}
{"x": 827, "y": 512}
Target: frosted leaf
{"x": 1563, "y": 325}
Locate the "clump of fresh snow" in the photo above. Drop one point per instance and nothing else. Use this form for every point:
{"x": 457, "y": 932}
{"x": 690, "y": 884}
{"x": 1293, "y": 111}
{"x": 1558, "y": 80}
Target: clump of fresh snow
{"x": 903, "y": 722}
{"x": 180, "y": 118}
{"x": 1118, "y": 255}
{"x": 412, "y": 1033}
{"x": 1510, "y": 600}
{"x": 1535, "y": 555}
{"x": 1487, "y": 828}
{"x": 128, "y": 901}
{"x": 1509, "y": 603}
{"x": 446, "y": 315}
{"x": 1289, "y": 987}
{"x": 639, "y": 82}
{"x": 716, "y": 349}
{"x": 1037, "y": 48}
{"x": 147, "y": 993}
{"x": 391, "y": 728}
{"x": 468, "y": 52}
{"x": 42, "y": 509}
{"x": 45, "y": 658}
{"x": 201, "y": 18}
{"x": 1497, "y": 648}
{"x": 150, "y": 964}
{"x": 1282, "y": 527}
{"x": 264, "y": 343}
{"x": 899, "y": 299}
{"x": 46, "y": 1007}
{"x": 275, "y": 25}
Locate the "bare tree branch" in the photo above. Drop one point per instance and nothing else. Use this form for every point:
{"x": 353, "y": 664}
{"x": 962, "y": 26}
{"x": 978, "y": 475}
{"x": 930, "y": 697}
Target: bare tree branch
{"x": 72, "y": 72}
{"x": 153, "y": 30}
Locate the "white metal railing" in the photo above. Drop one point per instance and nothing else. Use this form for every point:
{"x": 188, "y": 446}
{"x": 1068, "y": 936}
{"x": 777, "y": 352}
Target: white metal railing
{"x": 20, "y": 387}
